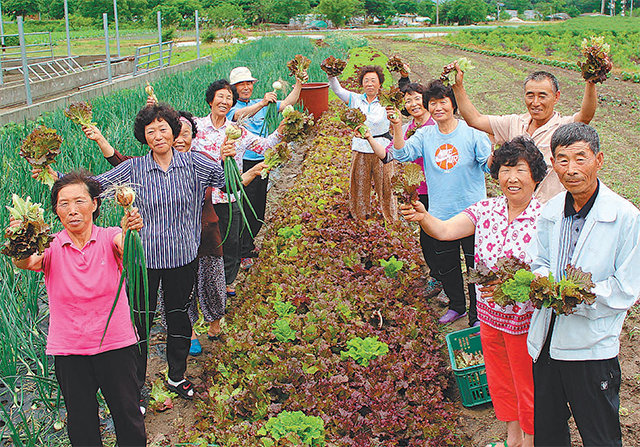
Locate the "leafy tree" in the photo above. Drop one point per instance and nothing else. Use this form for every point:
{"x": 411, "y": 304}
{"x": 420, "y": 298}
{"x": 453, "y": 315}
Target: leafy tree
{"x": 519, "y": 5}
{"x": 280, "y": 11}
{"x": 380, "y": 9}
{"x": 426, "y": 8}
{"x": 466, "y": 11}
{"x": 226, "y": 14}
{"x": 339, "y": 11}
{"x": 23, "y": 8}
{"x": 55, "y": 8}
{"x": 406, "y": 6}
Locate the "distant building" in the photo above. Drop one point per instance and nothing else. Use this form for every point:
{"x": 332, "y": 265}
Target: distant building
{"x": 512, "y": 12}
{"x": 532, "y": 14}
{"x": 410, "y": 20}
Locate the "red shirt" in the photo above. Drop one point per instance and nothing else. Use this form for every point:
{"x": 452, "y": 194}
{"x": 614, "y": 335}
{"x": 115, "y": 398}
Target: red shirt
{"x": 82, "y": 285}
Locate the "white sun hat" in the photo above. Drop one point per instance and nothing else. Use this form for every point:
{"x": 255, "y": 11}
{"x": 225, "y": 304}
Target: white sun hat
{"x": 240, "y": 74}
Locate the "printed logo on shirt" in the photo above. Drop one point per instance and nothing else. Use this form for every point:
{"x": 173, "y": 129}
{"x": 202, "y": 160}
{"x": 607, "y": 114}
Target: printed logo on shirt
{"x": 446, "y": 156}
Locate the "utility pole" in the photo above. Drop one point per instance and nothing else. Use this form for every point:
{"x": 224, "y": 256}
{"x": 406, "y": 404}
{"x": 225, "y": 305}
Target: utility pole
{"x": 66, "y": 27}
{"x": 115, "y": 15}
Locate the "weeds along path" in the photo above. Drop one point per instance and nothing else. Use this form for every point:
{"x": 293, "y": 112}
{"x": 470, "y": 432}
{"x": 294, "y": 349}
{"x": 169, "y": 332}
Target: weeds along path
{"x": 316, "y": 286}
{"x": 495, "y": 87}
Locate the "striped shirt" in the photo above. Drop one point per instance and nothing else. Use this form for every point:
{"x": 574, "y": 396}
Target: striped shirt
{"x": 170, "y": 203}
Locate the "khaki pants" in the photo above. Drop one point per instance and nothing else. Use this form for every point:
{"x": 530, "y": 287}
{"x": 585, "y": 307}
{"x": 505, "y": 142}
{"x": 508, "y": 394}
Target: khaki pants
{"x": 366, "y": 168}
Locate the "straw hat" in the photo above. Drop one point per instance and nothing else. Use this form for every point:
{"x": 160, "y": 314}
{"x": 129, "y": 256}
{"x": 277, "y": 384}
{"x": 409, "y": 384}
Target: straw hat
{"x": 240, "y": 74}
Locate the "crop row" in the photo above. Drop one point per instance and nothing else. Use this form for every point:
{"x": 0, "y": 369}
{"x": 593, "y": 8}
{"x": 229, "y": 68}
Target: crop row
{"x": 314, "y": 315}
{"x": 625, "y": 76}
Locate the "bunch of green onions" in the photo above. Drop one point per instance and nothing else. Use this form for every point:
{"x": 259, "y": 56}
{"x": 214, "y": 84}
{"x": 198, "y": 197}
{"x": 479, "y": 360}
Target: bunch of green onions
{"x": 233, "y": 180}
{"x": 134, "y": 266}
{"x": 272, "y": 118}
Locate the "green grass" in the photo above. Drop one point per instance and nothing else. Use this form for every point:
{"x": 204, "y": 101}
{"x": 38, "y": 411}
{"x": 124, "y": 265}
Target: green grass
{"x": 561, "y": 41}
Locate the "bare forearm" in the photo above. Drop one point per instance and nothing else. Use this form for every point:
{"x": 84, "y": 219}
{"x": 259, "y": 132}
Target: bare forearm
{"x": 469, "y": 112}
{"x": 247, "y": 112}
{"x": 378, "y": 149}
{"x": 292, "y": 97}
{"x": 33, "y": 262}
{"x": 398, "y": 136}
{"x": 457, "y": 227}
{"x": 105, "y": 147}
{"x": 589, "y": 104}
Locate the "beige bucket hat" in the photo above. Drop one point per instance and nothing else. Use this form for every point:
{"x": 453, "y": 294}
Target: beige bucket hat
{"x": 240, "y": 74}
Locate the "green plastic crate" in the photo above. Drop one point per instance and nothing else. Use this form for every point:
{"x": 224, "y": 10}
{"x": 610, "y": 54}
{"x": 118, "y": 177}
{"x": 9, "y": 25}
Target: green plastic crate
{"x": 472, "y": 381}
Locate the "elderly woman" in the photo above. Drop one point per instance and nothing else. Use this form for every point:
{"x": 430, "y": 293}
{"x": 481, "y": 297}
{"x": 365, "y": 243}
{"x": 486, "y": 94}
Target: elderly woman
{"x": 170, "y": 187}
{"x": 82, "y": 268}
{"x": 210, "y": 138}
{"x": 365, "y": 165}
{"x": 455, "y": 159}
{"x": 504, "y": 227}
{"x": 210, "y": 290}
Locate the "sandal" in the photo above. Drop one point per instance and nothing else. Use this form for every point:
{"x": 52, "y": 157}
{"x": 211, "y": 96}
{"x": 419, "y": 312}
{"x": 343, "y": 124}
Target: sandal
{"x": 184, "y": 389}
{"x": 231, "y": 292}
{"x": 497, "y": 444}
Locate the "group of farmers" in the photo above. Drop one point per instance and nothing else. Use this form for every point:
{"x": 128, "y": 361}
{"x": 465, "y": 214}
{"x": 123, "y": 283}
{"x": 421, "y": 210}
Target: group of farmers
{"x": 181, "y": 213}
{"x": 541, "y": 367}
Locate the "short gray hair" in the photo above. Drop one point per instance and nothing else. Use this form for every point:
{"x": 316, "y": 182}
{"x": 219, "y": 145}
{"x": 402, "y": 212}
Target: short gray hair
{"x": 571, "y": 133}
{"x": 541, "y": 76}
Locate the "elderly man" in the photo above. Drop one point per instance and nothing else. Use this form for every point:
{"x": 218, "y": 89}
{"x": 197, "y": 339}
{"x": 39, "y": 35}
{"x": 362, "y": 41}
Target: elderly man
{"x": 576, "y": 356}
{"x": 252, "y": 112}
{"x": 541, "y": 94}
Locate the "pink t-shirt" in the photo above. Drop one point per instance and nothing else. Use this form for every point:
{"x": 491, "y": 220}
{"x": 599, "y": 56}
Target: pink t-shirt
{"x": 82, "y": 285}
{"x": 495, "y": 238}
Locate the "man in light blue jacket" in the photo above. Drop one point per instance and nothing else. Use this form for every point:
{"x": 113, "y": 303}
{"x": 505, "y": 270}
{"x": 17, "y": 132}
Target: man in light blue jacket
{"x": 576, "y": 356}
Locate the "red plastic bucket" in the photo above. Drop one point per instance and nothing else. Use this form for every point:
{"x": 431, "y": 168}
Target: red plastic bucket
{"x": 315, "y": 98}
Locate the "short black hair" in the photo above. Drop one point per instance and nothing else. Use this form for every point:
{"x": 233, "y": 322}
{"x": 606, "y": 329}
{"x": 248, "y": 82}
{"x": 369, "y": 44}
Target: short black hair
{"x": 152, "y": 112}
{"x": 189, "y": 117}
{"x": 437, "y": 90}
{"x": 219, "y": 85}
{"x": 520, "y": 148}
{"x": 377, "y": 69}
{"x": 414, "y": 87}
{"x": 80, "y": 176}
{"x": 568, "y": 134}
{"x": 541, "y": 76}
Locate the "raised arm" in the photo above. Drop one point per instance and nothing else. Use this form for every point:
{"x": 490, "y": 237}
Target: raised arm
{"x": 466, "y": 108}
{"x": 589, "y": 104}
{"x": 33, "y": 262}
{"x": 93, "y": 133}
{"x": 457, "y": 227}
{"x": 293, "y": 96}
{"x": 342, "y": 93}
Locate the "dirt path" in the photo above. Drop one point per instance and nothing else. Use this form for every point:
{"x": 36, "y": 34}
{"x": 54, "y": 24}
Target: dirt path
{"x": 495, "y": 87}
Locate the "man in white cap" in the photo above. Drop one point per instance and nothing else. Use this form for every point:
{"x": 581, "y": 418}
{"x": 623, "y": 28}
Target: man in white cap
{"x": 252, "y": 112}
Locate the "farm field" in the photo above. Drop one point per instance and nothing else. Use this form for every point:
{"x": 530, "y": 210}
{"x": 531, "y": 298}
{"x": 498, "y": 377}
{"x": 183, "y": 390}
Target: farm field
{"x": 317, "y": 271}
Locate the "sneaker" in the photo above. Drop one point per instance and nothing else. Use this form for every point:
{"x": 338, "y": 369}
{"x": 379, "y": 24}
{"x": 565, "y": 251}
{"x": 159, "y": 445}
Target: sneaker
{"x": 476, "y": 324}
{"x": 183, "y": 388}
{"x": 196, "y": 348}
{"x": 450, "y": 316}
{"x": 246, "y": 263}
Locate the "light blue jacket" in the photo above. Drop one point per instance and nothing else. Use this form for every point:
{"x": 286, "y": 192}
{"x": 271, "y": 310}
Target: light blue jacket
{"x": 609, "y": 248}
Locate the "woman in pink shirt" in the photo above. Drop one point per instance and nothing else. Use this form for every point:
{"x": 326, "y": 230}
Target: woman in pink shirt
{"x": 504, "y": 227}
{"x": 82, "y": 268}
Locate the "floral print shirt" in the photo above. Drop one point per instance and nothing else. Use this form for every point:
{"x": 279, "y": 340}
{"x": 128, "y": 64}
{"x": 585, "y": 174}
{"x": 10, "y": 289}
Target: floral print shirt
{"x": 209, "y": 140}
{"x": 495, "y": 238}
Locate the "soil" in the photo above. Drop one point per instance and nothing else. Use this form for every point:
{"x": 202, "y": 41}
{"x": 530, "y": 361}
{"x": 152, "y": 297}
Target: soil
{"x": 495, "y": 89}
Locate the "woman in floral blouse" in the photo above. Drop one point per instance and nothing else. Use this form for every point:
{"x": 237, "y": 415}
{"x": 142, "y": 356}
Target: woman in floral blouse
{"x": 504, "y": 227}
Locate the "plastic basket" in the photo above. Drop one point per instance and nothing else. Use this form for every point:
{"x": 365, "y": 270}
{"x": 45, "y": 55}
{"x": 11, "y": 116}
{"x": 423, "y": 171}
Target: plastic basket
{"x": 472, "y": 381}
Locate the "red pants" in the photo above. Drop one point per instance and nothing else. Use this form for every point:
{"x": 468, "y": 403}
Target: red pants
{"x": 510, "y": 376}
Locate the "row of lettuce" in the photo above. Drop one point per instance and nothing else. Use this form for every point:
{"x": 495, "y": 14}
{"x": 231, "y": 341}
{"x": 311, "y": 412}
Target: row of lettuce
{"x": 29, "y": 399}
{"x": 331, "y": 341}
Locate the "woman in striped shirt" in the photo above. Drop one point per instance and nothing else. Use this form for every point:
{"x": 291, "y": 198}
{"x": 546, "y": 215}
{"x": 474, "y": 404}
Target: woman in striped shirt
{"x": 170, "y": 188}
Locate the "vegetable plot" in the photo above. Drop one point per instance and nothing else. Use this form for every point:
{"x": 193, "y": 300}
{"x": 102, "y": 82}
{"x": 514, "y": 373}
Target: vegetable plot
{"x": 318, "y": 293}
